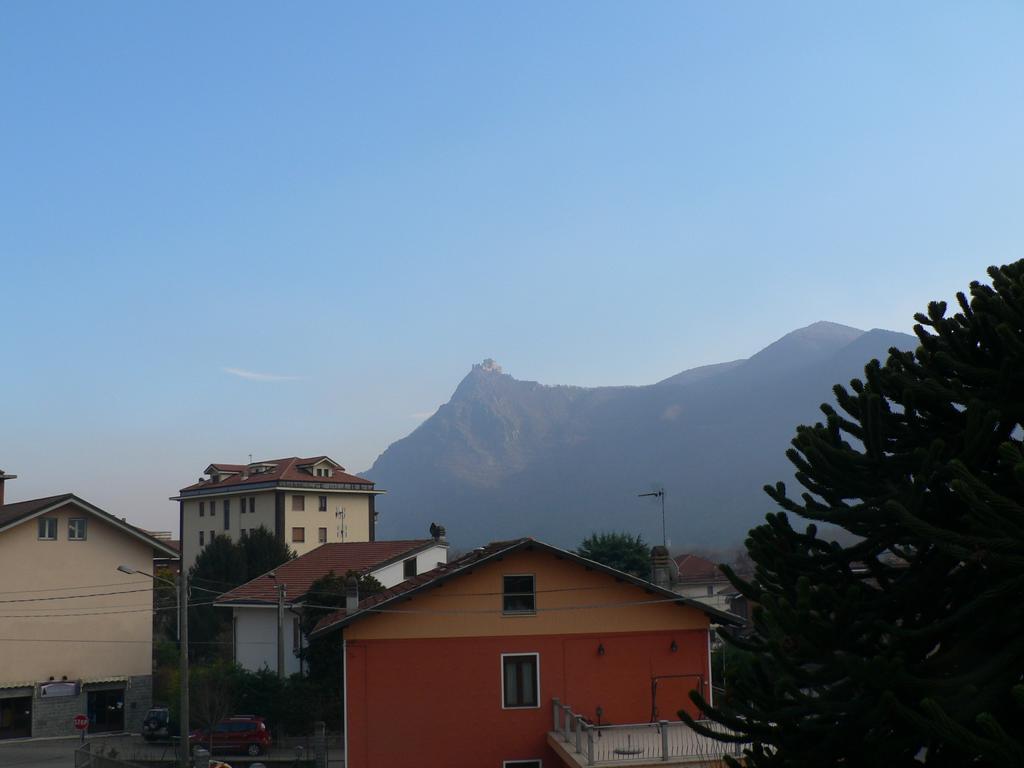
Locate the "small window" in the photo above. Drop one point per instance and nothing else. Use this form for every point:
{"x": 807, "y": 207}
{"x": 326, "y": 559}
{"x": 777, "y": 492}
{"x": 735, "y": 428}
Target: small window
{"x": 202, "y": 539}
{"x": 48, "y": 528}
{"x": 252, "y": 504}
{"x": 227, "y": 514}
{"x": 519, "y": 595}
{"x": 212, "y": 534}
{"x": 298, "y": 535}
{"x": 322, "y": 535}
{"x": 711, "y": 590}
{"x": 323, "y": 503}
{"x": 520, "y": 681}
{"x": 77, "y": 528}
{"x": 298, "y": 503}
{"x": 409, "y": 568}
{"x": 241, "y": 506}
{"x": 202, "y": 509}
{"x": 521, "y": 764}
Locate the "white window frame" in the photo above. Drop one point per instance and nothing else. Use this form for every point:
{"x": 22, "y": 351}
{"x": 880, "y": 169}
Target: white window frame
{"x": 85, "y": 528}
{"x": 536, "y": 654}
{"x": 48, "y": 521}
{"x": 532, "y": 611}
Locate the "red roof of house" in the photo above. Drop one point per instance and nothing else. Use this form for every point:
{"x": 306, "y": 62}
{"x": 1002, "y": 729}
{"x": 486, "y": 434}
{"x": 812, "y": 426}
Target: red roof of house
{"x": 467, "y": 562}
{"x": 341, "y": 557}
{"x": 293, "y": 468}
{"x": 696, "y": 568}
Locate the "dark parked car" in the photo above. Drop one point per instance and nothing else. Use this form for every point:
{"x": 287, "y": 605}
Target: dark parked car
{"x": 158, "y": 725}
{"x": 237, "y": 735}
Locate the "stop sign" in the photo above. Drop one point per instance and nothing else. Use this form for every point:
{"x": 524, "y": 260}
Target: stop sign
{"x": 81, "y": 722}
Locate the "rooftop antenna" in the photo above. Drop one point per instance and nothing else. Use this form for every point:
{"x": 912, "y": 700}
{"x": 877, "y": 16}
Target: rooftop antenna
{"x": 250, "y": 458}
{"x": 660, "y": 493}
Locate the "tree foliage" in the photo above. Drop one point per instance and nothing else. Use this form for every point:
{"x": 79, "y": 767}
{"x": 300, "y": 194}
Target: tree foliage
{"x": 622, "y": 551}
{"x": 222, "y": 565}
{"x": 905, "y": 646}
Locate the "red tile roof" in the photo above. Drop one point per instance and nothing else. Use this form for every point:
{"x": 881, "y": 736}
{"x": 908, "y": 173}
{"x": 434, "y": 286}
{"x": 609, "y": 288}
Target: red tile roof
{"x": 341, "y": 557}
{"x": 495, "y": 549}
{"x": 293, "y": 468}
{"x": 696, "y": 568}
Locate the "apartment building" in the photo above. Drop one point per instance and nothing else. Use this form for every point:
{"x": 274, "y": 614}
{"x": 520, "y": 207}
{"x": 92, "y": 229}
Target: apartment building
{"x": 305, "y": 502}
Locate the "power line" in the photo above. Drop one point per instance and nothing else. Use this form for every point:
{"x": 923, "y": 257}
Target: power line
{"x": 114, "y": 609}
{"x": 74, "y": 597}
{"x": 79, "y": 586}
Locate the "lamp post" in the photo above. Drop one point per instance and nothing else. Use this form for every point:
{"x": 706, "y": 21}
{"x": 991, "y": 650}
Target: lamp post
{"x": 661, "y": 493}
{"x": 182, "y": 585}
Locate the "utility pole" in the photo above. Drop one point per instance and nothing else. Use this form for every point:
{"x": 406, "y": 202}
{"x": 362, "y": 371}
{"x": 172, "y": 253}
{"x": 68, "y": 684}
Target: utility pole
{"x": 280, "y": 630}
{"x": 661, "y": 493}
{"x": 183, "y": 755}
{"x": 182, "y": 587}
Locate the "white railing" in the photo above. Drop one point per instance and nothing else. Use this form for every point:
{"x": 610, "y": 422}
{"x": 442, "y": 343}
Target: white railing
{"x": 661, "y": 740}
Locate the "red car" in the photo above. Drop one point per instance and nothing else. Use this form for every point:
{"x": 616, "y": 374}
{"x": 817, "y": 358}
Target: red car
{"x": 236, "y": 735}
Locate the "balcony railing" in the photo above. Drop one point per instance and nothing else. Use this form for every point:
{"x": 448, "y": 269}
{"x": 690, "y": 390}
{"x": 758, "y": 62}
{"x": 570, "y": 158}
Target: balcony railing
{"x": 661, "y": 740}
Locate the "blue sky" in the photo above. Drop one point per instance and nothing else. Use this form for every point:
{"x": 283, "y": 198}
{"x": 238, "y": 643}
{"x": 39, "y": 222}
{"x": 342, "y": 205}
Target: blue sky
{"x": 368, "y": 198}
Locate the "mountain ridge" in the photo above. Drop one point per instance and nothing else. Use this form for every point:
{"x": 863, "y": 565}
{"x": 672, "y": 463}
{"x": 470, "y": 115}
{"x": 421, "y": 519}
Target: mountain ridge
{"x": 507, "y": 457}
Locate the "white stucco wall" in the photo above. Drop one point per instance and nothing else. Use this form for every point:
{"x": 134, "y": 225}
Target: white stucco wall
{"x": 426, "y": 560}
{"x": 256, "y": 639}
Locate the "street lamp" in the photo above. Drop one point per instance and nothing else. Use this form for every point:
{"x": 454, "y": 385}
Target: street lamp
{"x": 660, "y": 492}
{"x": 182, "y": 586}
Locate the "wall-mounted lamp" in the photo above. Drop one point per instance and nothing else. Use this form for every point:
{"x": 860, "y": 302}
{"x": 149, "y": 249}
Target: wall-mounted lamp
{"x": 64, "y": 677}
{"x": 674, "y": 646}
{"x": 600, "y": 713}
{"x": 600, "y": 649}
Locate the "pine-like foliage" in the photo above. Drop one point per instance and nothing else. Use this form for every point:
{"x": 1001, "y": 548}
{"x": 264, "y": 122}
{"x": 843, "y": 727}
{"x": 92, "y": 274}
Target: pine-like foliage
{"x": 907, "y": 646}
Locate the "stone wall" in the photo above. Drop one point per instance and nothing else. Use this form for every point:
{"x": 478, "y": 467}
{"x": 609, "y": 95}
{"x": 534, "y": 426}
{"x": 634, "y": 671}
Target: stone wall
{"x": 54, "y": 716}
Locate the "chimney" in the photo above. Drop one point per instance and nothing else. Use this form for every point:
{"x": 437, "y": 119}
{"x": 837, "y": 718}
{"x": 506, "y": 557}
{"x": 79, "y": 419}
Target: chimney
{"x": 660, "y": 566}
{"x": 3, "y": 478}
{"x": 351, "y": 594}
{"x": 437, "y": 532}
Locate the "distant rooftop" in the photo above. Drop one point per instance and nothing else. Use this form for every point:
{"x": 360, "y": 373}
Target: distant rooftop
{"x": 322, "y": 469}
{"x": 341, "y": 557}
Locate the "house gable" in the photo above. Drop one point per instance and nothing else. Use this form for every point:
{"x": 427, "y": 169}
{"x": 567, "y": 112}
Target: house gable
{"x": 571, "y": 598}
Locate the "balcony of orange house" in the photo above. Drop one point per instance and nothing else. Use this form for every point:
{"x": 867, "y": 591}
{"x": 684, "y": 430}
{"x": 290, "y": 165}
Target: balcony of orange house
{"x": 580, "y": 742}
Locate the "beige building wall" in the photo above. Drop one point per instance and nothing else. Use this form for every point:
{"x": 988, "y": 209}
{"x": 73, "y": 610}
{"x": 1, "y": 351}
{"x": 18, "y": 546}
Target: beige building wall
{"x": 192, "y": 523}
{"x": 50, "y": 640}
{"x": 347, "y": 518}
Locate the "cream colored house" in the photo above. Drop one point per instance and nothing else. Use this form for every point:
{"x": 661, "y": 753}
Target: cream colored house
{"x": 77, "y": 634}
{"x": 305, "y": 502}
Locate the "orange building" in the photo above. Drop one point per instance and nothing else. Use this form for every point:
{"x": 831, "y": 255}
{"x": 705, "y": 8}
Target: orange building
{"x": 475, "y": 662}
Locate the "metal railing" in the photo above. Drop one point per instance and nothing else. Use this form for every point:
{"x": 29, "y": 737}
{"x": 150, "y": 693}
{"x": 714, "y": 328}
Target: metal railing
{"x": 661, "y": 740}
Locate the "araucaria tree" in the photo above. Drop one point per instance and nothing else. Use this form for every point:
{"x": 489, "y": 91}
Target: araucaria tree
{"x": 906, "y": 646}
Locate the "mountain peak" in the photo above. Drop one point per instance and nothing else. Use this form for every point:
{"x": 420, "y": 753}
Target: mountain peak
{"x": 489, "y": 365}
{"x": 825, "y": 329}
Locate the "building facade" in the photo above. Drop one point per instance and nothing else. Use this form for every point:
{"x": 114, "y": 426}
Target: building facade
{"x": 304, "y": 502}
{"x": 254, "y": 604}
{"x": 462, "y": 666}
{"x": 77, "y": 632}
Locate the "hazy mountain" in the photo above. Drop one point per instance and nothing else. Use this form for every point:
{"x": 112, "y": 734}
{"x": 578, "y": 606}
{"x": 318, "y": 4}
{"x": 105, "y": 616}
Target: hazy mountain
{"x": 506, "y": 457}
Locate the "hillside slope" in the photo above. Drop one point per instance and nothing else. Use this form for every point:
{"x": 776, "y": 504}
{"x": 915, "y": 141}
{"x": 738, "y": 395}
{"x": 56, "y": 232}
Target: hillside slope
{"x": 507, "y": 458}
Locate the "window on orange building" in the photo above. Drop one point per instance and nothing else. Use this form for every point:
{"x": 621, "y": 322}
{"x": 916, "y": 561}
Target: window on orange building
{"x": 520, "y": 681}
{"x": 521, "y": 764}
{"x": 519, "y": 594}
